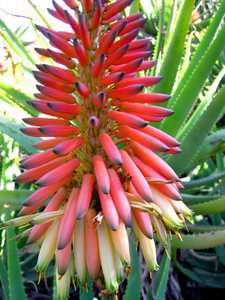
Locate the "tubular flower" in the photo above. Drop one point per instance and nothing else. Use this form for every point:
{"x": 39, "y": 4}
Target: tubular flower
{"x": 99, "y": 165}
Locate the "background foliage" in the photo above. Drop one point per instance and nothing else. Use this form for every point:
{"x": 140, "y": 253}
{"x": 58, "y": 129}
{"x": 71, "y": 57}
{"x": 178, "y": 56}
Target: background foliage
{"x": 188, "y": 40}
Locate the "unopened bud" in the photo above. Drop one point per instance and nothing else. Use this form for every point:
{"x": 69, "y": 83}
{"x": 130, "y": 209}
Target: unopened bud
{"x": 107, "y": 258}
{"x": 94, "y": 121}
{"x": 48, "y": 247}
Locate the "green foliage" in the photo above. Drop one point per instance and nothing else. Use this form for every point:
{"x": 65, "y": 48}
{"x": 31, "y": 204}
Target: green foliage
{"x": 11, "y": 127}
{"x": 196, "y": 129}
{"x": 13, "y": 199}
{"x": 4, "y": 279}
{"x": 133, "y": 289}
{"x": 200, "y": 241}
{"x": 160, "y": 279}
{"x": 15, "y": 43}
{"x": 16, "y": 98}
{"x": 176, "y": 45}
{"x": 15, "y": 279}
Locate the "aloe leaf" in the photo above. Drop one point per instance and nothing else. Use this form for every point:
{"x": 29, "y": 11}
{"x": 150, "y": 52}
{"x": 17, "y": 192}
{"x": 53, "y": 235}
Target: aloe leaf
{"x": 196, "y": 130}
{"x": 18, "y": 44}
{"x": 17, "y": 97}
{"x": 196, "y": 199}
{"x": 39, "y": 13}
{"x": 13, "y": 198}
{"x": 204, "y": 228}
{"x": 204, "y": 181}
{"x": 217, "y": 220}
{"x": 160, "y": 279}
{"x": 135, "y": 7}
{"x": 209, "y": 278}
{"x": 159, "y": 39}
{"x": 193, "y": 80}
{"x": 15, "y": 279}
{"x": 212, "y": 144}
{"x": 133, "y": 290}
{"x": 199, "y": 241}
{"x": 12, "y": 129}
{"x": 10, "y": 43}
{"x": 210, "y": 207}
{"x": 4, "y": 279}
{"x": 175, "y": 48}
{"x": 87, "y": 294}
{"x": 172, "y": 20}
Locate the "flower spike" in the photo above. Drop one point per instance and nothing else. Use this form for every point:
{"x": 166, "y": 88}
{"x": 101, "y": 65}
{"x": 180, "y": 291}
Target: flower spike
{"x": 99, "y": 167}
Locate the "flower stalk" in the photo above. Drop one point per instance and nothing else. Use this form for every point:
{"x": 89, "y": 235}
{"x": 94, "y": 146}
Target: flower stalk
{"x": 99, "y": 169}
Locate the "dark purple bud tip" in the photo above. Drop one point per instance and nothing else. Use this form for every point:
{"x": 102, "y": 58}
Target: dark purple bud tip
{"x": 118, "y": 162}
{"x": 121, "y": 75}
{"x": 102, "y": 97}
{"x": 105, "y": 190}
{"x": 94, "y": 121}
{"x": 167, "y": 96}
{"x": 144, "y": 124}
{"x": 113, "y": 227}
{"x": 22, "y": 130}
{"x": 80, "y": 215}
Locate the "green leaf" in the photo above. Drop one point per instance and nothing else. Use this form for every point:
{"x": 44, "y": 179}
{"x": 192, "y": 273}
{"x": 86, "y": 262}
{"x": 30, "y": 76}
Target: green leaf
{"x": 197, "y": 128}
{"x": 133, "y": 290}
{"x": 160, "y": 279}
{"x": 199, "y": 241}
{"x": 87, "y": 294}
{"x": 15, "y": 279}
{"x": 16, "y": 97}
{"x": 204, "y": 228}
{"x": 209, "y": 180}
{"x": 217, "y": 220}
{"x": 39, "y": 13}
{"x": 175, "y": 48}
{"x": 135, "y": 7}
{"x": 4, "y": 279}
{"x": 212, "y": 144}
{"x": 212, "y": 279}
{"x": 21, "y": 50}
{"x": 196, "y": 74}
{"x": 12, "y": 129}
{"x": 196, "y": 199}
{"x": 210, "y": 207}
{"x": 13, "y": 198}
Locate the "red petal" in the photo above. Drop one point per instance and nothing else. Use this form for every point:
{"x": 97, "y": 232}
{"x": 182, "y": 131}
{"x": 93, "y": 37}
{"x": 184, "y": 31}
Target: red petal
{"x": 137, "y": 177}
{"x": 142, "y": 138}
{"x": 110, "y": 148}
{"x": 109, "y": 210}
{"x": 119, "y": 198}
{"x": 68, "y": 146}
{"x": 127, "y": 119}
{"x": 68, "y": 220}
{"x": 101, "y": 174}
{"x": 85, "y": 195}
{"x": 154, "y": 161}
{"x": 58, "y": 173}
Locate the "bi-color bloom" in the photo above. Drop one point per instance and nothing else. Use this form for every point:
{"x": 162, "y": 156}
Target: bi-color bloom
{"x": 99, "y": 168}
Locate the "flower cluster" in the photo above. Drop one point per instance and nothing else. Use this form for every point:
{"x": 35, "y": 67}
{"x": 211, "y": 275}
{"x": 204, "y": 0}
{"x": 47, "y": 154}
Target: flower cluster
{"x": 98, "y": 171}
